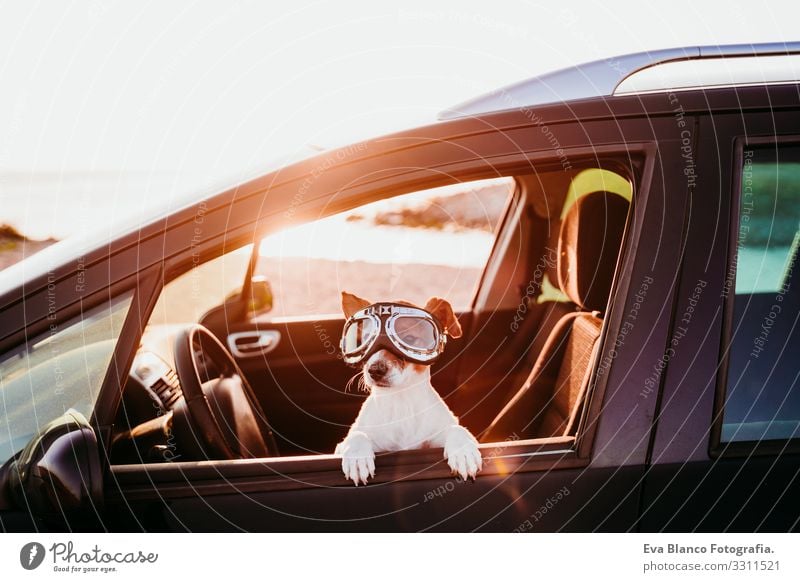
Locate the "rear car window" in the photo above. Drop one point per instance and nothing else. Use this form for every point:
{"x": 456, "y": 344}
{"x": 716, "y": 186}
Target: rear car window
{"x": 762, "y": 398}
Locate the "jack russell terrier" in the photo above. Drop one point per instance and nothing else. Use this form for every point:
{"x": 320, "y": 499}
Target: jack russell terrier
{"x": 394, "y": 344}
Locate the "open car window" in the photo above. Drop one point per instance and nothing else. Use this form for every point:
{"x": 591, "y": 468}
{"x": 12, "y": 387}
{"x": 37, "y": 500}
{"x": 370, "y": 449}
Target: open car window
{"x": 411, "y": 247}
{"x": 207, "y": 284}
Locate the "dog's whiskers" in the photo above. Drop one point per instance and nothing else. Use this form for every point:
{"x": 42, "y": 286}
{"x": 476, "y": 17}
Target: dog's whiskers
{"x": 360, "y": 377}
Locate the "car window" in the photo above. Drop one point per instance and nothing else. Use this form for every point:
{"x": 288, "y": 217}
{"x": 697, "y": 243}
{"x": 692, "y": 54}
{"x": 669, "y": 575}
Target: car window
{"x": 58, "y": 370}
{"x": 762, "y": 400}
{"x": 206, "y": 285}
{"x": 411, "y": 247}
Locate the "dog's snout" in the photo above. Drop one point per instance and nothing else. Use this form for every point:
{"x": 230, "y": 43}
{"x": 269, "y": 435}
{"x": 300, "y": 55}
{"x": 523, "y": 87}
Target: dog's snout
{"x": 384, "y": 370}
{"x": 378, "y": 369}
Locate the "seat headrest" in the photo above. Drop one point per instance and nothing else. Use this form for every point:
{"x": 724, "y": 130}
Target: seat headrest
{"x": 588, "y": 246}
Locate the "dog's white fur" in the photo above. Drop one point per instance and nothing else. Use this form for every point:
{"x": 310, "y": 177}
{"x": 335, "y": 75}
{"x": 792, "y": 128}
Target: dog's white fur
{"x": 404, "y": 411}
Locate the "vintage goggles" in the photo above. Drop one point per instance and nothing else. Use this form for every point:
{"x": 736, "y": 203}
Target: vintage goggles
{"x": 408, "y": 332}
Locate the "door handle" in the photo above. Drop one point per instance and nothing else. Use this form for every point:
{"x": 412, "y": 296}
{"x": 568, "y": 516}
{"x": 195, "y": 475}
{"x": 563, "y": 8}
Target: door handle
{"x": 248, "y": 344}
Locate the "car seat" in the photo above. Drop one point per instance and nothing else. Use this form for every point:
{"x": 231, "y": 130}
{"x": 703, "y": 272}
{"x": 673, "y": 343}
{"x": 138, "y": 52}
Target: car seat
{"x": 548, "y": 403}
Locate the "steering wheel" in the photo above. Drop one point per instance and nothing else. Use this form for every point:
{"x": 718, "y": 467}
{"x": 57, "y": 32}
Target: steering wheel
{"x": 222, "y": 412}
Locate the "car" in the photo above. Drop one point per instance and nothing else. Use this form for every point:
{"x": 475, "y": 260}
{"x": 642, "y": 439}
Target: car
{"x": 628, "y": 231}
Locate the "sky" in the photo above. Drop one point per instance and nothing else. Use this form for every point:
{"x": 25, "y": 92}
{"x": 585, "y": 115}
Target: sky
{"x": 210, "y": 90}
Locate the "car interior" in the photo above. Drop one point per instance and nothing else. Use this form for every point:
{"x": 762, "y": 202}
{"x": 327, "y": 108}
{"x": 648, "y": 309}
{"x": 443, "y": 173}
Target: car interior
{"x": 239, "y": 382}
{"x": 589, "y": 241}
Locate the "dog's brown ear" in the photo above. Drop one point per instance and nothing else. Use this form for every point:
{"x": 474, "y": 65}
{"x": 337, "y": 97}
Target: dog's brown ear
{"x": 352, "y": 303}
{"x": 443, "y": 312}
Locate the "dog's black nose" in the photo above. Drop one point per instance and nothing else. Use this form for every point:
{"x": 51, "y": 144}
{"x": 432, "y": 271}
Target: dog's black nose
{"x": 378, "y": 369}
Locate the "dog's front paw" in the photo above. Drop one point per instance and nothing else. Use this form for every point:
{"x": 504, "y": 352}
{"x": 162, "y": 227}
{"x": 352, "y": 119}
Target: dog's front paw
{"x": 358, "y": 457}
{"x": 462, "y": 452}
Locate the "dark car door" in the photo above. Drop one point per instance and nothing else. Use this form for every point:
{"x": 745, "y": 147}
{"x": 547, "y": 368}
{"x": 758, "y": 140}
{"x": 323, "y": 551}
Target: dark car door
{"x": 724, "y": 455}
{"x": 584, "y": 483}
{"x": 295, "y": 378}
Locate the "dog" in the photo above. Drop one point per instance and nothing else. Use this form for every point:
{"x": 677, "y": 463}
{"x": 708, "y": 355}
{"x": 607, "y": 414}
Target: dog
{"x": 402, "y": 411}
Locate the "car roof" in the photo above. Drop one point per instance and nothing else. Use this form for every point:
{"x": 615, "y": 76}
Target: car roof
{"x": 604, "y": 78}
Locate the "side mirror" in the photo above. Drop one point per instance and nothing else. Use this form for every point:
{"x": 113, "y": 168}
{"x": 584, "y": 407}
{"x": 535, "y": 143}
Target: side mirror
{"x": 259, "y": 297}
{"x": 58, "y": 475}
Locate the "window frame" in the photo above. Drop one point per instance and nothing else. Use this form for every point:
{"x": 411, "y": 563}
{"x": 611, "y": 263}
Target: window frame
{"x": 110, "y": 395}
{"x": 273, "y": 474}
{"x": 718, "y": 447}
{"x": 506, "y": 458}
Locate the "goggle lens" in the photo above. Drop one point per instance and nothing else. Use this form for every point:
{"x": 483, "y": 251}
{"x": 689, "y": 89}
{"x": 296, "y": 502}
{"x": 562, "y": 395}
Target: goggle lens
{"x": 358, "y": 334}
{"x": 416, "y": 333}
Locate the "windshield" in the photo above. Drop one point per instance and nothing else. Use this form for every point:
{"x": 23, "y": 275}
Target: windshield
{"x": 58, "y": 370}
